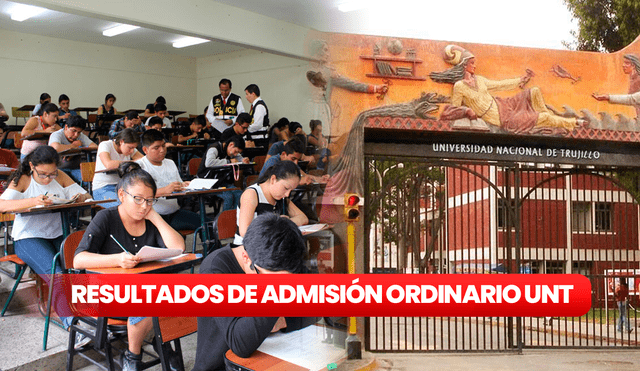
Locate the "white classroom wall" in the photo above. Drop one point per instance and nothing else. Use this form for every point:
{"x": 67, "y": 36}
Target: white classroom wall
{"x": 33, "y": 64}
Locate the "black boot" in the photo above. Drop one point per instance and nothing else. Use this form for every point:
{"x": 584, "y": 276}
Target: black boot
{"x": 130, "y": 361}
{"x": 174, "y": 358}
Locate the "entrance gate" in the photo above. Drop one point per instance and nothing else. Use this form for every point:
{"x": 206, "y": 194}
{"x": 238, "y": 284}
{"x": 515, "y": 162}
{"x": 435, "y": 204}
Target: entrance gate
{"x": 426, "y": 216}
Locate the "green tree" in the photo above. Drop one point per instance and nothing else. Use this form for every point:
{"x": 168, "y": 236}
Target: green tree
{"x": 604, "y": 25}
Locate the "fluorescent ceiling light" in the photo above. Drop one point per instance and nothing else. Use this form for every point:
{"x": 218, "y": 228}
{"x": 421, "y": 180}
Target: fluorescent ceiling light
{"x": 117, "y": 30}
{"x": 188, "y": 41}
{"x": 21, "y": 12}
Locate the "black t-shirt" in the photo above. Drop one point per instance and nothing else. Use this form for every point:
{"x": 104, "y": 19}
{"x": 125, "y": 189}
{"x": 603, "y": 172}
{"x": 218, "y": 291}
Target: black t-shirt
{"x": 151, "y": 108}
{"x": 228, "y": 133}
{"x": 216, "y": 335}
{"x": 107, "y": 222}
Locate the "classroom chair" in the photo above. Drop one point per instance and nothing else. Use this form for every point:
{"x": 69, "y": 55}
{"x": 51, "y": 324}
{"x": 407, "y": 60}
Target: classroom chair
{"x": 171, "y": 329}
{"x": 21, "y": 267}
{"x": 24, "y": 114}
{"x": 259, "y": 161}
{"x": 193, "y": 165}
{"x": 88, "y": 170}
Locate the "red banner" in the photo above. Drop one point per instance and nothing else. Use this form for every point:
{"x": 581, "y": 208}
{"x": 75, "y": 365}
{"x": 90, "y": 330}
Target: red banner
{"x": 329, "y": 295}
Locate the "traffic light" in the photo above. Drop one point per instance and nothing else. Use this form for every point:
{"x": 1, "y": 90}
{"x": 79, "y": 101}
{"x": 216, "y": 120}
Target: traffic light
{"x": 351, "y": 207}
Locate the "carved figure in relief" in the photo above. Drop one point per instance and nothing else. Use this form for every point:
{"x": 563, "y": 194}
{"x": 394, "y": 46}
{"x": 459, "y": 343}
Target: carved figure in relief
{"x": 525, "y": 112}
{"x": 631, "y": 67}
{"x": 323, "y": 77}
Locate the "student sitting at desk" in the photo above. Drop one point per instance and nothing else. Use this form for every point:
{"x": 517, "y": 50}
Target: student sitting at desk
{"x": 107, "y": 108}
{"x": 150, "y": 110}
{"x": 167, "y": 177}
{"x": 239, "y": 129}
{"x": 44, "y": 99}
{"x": 37, "y": 238}
{"x": 65, "y": 112}
{"x": 220, "y": 154}
{"x": 272, "y": 244}
{"x": 270, "y": 195}
{"x": 293, "y": 151}
{"x": 130, "y": 120}
{"x": 111, "y": 153}
{"x": 277, "y": 132}
{"x": 161, "y": 111}
{"x": 69, "y": 138}
{"x": 46, "y": 123}
{"x": 192, "y": 131}
{"x": 133, "y": 224}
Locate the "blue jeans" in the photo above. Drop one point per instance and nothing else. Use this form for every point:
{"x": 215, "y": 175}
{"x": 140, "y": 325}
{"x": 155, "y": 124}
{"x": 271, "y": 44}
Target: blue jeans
{"x": 75, "y": 174}
{"x": 38, "y": 254}
{"x": 623, "y": 320}
{"x": 107, "y": 192}
{"x": 230, "y": 199}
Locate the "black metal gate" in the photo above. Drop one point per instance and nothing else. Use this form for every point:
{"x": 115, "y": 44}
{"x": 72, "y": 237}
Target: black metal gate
{"x": 435, "y": 216}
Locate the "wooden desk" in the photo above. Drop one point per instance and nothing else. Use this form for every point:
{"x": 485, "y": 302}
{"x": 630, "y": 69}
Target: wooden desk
{"x": 201, "y": 194}
{"x": 178, "y": 264}
{"x": 5, "y": 172}
{"x": 302, "y": 350}
{"x": 37, "y": 136}
{"x": 64, "y": 211}
{"x": 89, "y": 152}
{"x": 252, "y": 152}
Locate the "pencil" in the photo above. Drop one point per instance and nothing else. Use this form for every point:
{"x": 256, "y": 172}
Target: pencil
{"x": 125, "y": 250}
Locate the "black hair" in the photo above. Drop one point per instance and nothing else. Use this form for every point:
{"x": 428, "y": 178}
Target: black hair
{"x": 200, "y": 120}
{"x": 225, "y": 82}
{"x": 151, "y": 136}
{"x": 127, "y": 136}
{"x": 283, "y": 122}
{"x": 206, "y": 108}
{"x": 302, "y": 138}
{"x": 48, "y": 108}
{"x": 132, "y": 115}
{"x": 159, "y": 107}
{"x": 253, "y": 89}
{"x": 155, "y": 120}
{"x": 237, "y": 141}
{"x": 294, "y": 145}
{"x": 282, "y": 170}
{"x": 41, "y": 155}
{"x": 62, "y": 98}
{"x": 161, "y": 99}
{"x": 44, "y": 96}
{"x": 275, "y": 244}
{"x": 76, "y": 122}
{"x": 131, "y": 173}
{"x": 313, "y": 124}
{"x": 293, "y": 126}
{"x": 109, "y": 96}
{"x": 243, "y": 118}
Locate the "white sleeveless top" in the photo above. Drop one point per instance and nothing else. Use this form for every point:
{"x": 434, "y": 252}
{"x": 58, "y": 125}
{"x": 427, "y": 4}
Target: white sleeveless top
{"x": 42, "y": 225}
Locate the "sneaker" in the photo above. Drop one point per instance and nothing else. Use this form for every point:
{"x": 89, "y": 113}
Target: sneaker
{"x": 81, "y": 340}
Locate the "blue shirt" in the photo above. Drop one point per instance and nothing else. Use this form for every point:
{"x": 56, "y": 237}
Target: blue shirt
{"x": 270, "y": 162}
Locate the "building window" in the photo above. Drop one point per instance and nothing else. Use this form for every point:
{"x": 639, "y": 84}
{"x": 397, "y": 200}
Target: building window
{"x": 581, "y": 216}
{"x": 554, "y": 267}
{"x": 603, "y": 216}
{"x": 503, "y": 210}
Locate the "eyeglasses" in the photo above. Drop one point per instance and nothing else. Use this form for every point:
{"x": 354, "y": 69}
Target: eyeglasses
{"x": 45, "y": 176}
{"x": 140, "y": 200}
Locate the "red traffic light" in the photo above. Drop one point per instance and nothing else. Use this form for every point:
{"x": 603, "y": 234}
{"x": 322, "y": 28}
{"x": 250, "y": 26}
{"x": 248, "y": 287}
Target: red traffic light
{"x": 353, "y": 200}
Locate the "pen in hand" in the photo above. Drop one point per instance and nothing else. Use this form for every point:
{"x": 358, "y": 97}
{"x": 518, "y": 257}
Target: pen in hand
{"x": 122, "y": 247}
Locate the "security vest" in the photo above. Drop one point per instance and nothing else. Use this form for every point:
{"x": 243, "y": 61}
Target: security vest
{"x": 265, "y": 121}
{"x": 228, "y": 109}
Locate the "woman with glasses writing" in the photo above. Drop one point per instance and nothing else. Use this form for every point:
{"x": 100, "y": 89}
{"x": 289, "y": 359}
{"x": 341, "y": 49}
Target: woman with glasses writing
{"x": 112, "y": 153}
{"x": 37, "y": 238}
{"x": 116, "y": 234}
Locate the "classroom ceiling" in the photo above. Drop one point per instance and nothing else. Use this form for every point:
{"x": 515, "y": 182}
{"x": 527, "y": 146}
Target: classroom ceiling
{"x": 320, "y": 15}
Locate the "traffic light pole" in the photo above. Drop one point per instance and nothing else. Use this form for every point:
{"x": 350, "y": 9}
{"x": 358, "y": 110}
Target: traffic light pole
{"x": 353, "y": 343}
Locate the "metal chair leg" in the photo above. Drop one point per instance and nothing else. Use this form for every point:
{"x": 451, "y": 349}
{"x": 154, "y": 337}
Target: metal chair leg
{"x": 22, "y": 269}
